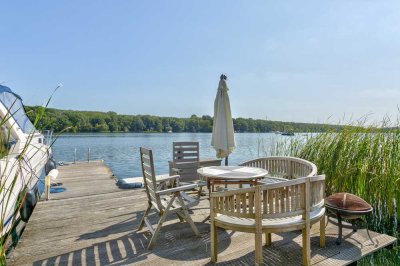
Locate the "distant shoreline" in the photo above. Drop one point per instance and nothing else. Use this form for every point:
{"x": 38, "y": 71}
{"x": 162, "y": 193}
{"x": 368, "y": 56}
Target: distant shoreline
{"x": 94, "y": 122}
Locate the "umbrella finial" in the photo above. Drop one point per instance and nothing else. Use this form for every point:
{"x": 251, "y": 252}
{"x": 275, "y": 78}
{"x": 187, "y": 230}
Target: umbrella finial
{"x": 223, "y": 77}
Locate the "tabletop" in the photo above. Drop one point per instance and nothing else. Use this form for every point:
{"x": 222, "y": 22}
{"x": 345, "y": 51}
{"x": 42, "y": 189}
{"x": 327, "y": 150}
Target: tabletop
{"x": 232, "y": 172}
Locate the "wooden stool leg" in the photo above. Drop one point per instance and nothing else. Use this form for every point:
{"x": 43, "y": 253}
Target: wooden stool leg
{"x": 322, "y": 232}
{"x": 306, "y": 246}
{"x": 258, "y": 249}
{"x": 268, "y": 239}
{"x": 156, "y": 231}
{"x": 214, "y": 243}
{"x": 179, "y": 217}
{"x": 186, "y": 215}
{"x": 144, "y": 217}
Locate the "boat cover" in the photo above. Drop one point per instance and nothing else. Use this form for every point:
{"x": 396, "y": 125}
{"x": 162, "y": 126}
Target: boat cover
{"x": 13, "y": 103}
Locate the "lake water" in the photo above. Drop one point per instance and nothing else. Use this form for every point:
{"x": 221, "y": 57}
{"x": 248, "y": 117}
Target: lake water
{"x": 120, "y": 151}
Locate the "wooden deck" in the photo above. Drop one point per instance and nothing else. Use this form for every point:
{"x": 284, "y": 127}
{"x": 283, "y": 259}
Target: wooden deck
{"x": 94, "y": 223}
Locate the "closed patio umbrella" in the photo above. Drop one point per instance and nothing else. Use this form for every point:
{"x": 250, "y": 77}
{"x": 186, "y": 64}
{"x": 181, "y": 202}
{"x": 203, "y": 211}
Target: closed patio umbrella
{"x": 223, "y": 138}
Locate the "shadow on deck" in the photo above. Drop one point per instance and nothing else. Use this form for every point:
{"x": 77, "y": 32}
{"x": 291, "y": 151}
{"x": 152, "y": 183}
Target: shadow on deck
{"x": 90, "y": 228}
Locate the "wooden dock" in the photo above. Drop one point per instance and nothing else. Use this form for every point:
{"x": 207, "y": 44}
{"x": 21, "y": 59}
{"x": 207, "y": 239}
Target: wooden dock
{"x": 94, "y": 223}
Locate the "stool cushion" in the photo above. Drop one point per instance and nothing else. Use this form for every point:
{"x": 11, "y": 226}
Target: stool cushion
{"x": 347, "y": 201}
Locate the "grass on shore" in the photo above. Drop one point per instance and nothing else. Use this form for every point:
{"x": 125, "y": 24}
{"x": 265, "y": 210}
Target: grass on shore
{"x": 365, "y": 161}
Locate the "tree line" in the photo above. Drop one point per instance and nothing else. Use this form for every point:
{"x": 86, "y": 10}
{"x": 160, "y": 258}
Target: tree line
{"x": 91, "y": 121}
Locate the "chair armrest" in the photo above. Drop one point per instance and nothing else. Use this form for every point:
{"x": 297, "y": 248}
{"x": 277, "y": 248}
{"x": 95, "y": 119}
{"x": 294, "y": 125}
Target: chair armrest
{"x": 163, "y": 178}
{"x": 201, "y": 183}
{"x": 271, "y": 180}
{"x": 176, "y": 189}
{"x": 176, "y": 170}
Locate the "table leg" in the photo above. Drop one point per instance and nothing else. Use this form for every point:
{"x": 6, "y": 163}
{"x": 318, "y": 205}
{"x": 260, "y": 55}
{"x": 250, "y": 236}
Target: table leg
{"x": 209, "y": 187}
{"x": 354, "y": 225}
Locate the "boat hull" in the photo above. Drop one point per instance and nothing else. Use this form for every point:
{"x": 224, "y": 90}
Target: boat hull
{"x": 22, "y": 176}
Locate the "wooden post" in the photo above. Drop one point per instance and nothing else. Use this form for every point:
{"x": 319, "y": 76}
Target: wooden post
{"x": 289, "y": 170}
{"x": 88, "y": 155}
{"x": 75, "y": 155}
{"x": 214, "y": 233}
{"x": 47, "y": 186}
{"x": 258, "y": 220}
{"x": 322, "y": 232}
{"x": 268, "y": 239}
{"x": 306, "y": 229}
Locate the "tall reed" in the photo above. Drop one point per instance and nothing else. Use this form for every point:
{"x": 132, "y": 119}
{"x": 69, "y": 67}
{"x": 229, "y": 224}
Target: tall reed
{"x": 365, "y": 161}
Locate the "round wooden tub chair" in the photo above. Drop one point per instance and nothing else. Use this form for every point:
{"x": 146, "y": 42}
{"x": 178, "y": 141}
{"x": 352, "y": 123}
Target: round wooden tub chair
{"x": 284, "y": 166}
{"x": 264, "y": 209}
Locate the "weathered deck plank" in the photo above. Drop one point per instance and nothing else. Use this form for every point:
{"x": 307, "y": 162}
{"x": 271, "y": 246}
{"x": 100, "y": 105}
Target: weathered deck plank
{"x": 94, "y": 223}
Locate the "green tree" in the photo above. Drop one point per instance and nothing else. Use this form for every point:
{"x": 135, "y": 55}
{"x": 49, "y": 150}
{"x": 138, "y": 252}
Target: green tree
{"x": 87, "y": 121}
{"x": 137, "y": 125}
{"x": 178, "y": 125}
{"x": 101, "y": 127}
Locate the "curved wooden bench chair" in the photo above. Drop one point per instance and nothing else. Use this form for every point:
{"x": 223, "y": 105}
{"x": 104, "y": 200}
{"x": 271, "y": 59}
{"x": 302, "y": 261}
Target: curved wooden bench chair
{"x": 284, "y": 166}
{"x": 281, "y": 207}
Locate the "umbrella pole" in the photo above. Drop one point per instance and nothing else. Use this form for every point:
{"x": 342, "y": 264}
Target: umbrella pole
{"x": 226, "y": 160}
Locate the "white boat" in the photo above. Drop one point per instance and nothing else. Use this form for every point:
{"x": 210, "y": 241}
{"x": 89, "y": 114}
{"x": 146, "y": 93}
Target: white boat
{"x": 24, "y": 155}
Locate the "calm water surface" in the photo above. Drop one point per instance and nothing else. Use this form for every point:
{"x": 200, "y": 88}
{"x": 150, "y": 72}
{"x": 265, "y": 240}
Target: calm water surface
{"x": 120, "y": 151}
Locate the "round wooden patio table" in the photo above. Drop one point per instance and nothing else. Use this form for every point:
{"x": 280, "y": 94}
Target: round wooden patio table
{"x": 231, "y": 175}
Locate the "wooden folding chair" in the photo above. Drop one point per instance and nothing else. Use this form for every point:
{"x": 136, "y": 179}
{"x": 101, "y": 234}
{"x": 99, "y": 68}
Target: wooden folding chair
{"x": 165, "y": 201}
{"x": 186, "y": 161}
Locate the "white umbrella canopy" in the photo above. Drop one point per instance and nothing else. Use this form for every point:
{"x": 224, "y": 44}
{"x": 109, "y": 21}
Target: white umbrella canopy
{"x": 223, "y": 138}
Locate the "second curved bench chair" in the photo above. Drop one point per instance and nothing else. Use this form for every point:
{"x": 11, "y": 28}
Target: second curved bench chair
{"x": 284, "y": 166}
{"x": 272, "y": 208}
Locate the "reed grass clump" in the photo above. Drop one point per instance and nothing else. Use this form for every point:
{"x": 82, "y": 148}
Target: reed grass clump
{"x": 365, "y": 161}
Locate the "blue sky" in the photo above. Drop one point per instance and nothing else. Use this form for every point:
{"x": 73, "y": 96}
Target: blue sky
{"x": 310, "y": 61}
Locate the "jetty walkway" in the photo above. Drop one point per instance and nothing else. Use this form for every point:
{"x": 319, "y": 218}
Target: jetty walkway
{"x": 94, "y": 223}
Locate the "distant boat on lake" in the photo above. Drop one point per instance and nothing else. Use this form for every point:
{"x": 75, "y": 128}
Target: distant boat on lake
{"x": 287, "y": 133}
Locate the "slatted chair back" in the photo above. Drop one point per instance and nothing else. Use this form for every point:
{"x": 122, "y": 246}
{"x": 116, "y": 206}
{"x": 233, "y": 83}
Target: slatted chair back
{"x": 149, "y": 177}
{"x": 185, "y": 151}
{"x": 279, "y": 207}
{"x": 284, "y": 166}
{"x": 285, "y": 199}
{"x": 317, "y": 187}
{"x": 186, "y": 158}
{"x": 236, "y": 203}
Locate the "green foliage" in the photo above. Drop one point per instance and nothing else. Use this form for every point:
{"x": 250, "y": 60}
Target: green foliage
{"x": 84, "y": 121}
{"x": 364, "y": 161}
